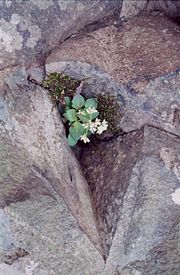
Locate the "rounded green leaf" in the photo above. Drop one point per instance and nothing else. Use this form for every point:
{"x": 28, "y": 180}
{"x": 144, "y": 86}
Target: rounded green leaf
{"x": 67, "y": 100}
{"x": 70, "y": 115}
{"x": 76, "y": 130}
{"x": 71, "y": 140}
{"x": 78, "y": 102}
{"x": 84, "y": 118}
{"x": 94, "y": 115}
{"x": 91, "y": 102}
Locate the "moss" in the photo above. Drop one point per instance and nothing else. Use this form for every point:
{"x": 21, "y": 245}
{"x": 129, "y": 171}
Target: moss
{"x": 60, "y": 85}
{"x": 108, "y": 108}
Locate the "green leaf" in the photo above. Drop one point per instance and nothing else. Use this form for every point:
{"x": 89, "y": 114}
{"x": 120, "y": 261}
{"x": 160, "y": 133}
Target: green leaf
{"x": 67, "y": 108}
{"x": 94, "y": 115}
{"x": 84, "y": 118}
{"x": 67, "y": 100}
{"x": 71, "y": 140}
{"x": 89, "y": 133}
{"x": 70, "y": 115}
{"x": 91, "y": 102}
{"x": 78, "y": 102}
{"x": 76, "y": 130}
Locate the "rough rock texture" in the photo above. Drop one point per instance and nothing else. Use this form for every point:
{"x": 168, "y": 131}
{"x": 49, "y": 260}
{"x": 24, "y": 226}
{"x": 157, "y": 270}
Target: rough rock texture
{"x": 135, "y": 52}
{"x": 158, "y": 105}
{"x": 149, "y": 223}
{"x": 55, "y": 247}
{"x": 132, "y": 180}
{"x": 169, "y": 7}
{"x": 5, "y": 237}
{"x": 108, "y": 168}
{"x": 53, "y": 221}
{"x": 6, "y": 269}
{"x": 132, "y": 8}
{"x": 34, "y": 155}
{"x": 30, "y": 29}
{"x": 28, "y": 33}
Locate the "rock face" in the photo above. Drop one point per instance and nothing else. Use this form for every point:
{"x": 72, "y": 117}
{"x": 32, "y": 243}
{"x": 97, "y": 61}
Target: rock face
{"x": 123, "y": 61}
{"x": 117, "y": 210}
{"x": 132, "y": 53}
{"x": 108, "y": 168}
{"x": 158, "y": 103}
{"x": 28, "y": 33}
{"x": 136, "y": 7}
{"x": 132, "y": 180}
{"x": 35, "y": 157}
{"x": 30, "y": 29}
{"x": 55, "y": 247}
{"x": 149, "y": 222}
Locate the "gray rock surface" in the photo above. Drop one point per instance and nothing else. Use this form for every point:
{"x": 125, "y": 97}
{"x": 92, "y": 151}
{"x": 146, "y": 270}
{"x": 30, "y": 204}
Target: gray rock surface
{"x": 6, "y": 269}
{"x": 52, "y": 220}
{"x": 28, "y": 33}
{"x": 158, "y": 105}
{"x": 169, "y": 7}
{"x": 34, "y": 155}
{"x": 129, "y": 63}
{"x": 132, "y": 8}
{"x": 30, "y": 29}
{"x": 58, "y": 246}
{"x": 6, "y": 238}
{"x": 148, "y": 228}
{"x": 132, "y": 180}
{"x": 108, "y": 167}
{"x": 132, "y": 53}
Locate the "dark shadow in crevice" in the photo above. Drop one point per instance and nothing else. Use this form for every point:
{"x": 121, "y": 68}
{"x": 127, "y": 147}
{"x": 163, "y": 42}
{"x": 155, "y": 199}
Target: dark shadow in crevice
{"x": 107, "y": 167}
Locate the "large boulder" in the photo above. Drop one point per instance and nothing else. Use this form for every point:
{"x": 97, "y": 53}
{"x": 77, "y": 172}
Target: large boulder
{"x": 158, "y": 105}
{"x": 127, "y": 212}
{"x": 133, "y": 180}
{"x": 128, "y": 62}
{"x": 46, "y": 239}
{"x": 147, "y": 234}
{"x": 132, "y": 53}
{"x": 34, "y": 155}
{"x": 29, "y": 30}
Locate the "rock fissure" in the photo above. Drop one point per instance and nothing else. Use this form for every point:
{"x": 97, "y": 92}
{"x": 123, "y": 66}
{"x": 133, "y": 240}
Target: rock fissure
{"x": 115, "y": 210}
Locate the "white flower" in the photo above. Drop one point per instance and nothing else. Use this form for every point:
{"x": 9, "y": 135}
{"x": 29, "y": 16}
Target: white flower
{"x": 81, "y": 112}
{"x": 102, "y": 127}
{"x": 85, "y": 138}
{"x": 85, "y": 125}
{"x": 97, "y": 122}
{"x": 91, "y": 110}
{"x": 90, "y": 125}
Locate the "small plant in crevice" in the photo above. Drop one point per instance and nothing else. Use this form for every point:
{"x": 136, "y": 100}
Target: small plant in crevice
{"x": 82, "y": 116}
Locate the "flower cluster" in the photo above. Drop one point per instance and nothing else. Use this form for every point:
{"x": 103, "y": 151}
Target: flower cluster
{"x": 96, "y": 126}
{"x": 82, "y": 116}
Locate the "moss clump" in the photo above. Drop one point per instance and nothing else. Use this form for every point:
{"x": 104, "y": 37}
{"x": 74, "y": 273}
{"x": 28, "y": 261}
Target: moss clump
{"x": 60, "y": 85}
{"x": 108, "y": 108}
